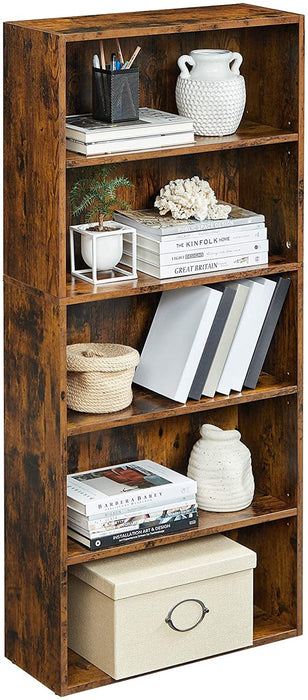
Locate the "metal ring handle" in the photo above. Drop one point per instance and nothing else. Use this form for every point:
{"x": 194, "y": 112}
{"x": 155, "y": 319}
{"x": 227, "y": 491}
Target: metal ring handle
{"x": 171, "y": 624}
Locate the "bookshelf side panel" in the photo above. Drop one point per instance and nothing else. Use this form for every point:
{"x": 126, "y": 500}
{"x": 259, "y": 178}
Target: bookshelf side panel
{"x": 34, "y": 488}
{"x": 32, "y": 182}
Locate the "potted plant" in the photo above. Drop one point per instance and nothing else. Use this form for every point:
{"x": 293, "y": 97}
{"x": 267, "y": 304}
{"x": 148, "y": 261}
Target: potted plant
{"x": 95, "y": 194}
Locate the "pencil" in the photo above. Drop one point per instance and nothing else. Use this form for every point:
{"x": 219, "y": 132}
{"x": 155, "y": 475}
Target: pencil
{"x": 102, "y": 54}
{"x": 131, "y": 60}
{"x": 119, "y": 52}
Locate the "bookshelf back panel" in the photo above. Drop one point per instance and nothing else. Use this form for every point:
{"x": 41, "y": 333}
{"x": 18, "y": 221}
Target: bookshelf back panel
{"x": 275, "y": 588}
{"x": 268, "y": 428}
{"x": 270, "y": 64}
{"x": 127, "y": 321}
{"x": 262, "y": 179}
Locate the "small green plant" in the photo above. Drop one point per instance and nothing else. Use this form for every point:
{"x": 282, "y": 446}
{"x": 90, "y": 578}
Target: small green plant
{"x": 95, "y": 193}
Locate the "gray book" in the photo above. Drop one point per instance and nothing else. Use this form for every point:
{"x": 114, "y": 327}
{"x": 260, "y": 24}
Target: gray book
{"x": 226, "y": 338}
{"x": 151, "y": 221}
{"x": 211, "y": 344}
{"x": 267, "y": 331}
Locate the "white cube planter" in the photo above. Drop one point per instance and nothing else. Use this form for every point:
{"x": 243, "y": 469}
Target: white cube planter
{"x": 148, "y": 610}
{"x": 102, "y": 252}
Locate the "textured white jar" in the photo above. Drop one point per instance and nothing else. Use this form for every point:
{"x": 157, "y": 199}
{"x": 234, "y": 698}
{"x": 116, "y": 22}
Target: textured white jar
{"x": 221, "y": 465}
{"x": 213, "y": 93}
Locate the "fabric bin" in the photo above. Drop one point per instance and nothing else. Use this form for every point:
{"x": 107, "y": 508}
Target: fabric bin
{"x": 126, "y": 612}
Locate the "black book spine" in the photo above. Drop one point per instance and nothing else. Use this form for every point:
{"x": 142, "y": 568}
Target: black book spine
{"x": 267, "y": 332}
{"x": 142, "y": 533}
{"x": 211, "y": 343}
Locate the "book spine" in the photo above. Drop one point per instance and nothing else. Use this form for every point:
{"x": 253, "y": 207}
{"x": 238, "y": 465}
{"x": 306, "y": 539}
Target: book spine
{"x": 119, "y": 519}
{"x": 192, "y": 226}
{"x": 135, "y": 499}
{"x": 191, "y": 242}
{"x": 197, "y": 254}
{"x": 200, "y": 267}
{"x": 128, "y": 536}
{"x": 95, "y": 529}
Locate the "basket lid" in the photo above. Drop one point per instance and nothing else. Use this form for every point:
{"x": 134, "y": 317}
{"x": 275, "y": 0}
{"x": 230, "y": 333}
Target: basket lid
{"x": 100, "y": 357}
{"x": 173, "y": 565}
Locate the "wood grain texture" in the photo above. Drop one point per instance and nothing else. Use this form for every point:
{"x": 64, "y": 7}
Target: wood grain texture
{"x": 33, "y": 227}
{"x": 275, "y": 577}
{"x": 34, "y": 487}
{"x": 148, "y": 406}
{"x": 249, "y": 134}
{"x": 263, "y": 509}
{"x": 162, "y": 22}
{"x": 79, "y": 292}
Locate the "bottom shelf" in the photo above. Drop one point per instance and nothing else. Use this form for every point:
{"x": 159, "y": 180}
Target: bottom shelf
{"x": 82, "y": 675}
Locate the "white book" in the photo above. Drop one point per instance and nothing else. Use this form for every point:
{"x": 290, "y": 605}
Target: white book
{"x": 128, "y": 485}
{"x": 198, "y": 268}
{"x": 194, "y": 255}
{"x": 175, "y": 341}
{"x": 84, "y": 128}
{"x": 142, "y": 143}
{"x": 234, "y": 372}
{"x": 151, "y": 221}
{"x": 187, "y": 242}
{"x": 226, "y": 339}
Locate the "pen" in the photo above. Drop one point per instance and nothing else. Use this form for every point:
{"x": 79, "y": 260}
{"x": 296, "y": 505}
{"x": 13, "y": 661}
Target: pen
{"x": 113, "y": 62}
{"x": 124, "y": 65}
{"x": 131, "y": 60}
{"x": 118, "y": 65}
{"x": 119, "y": 52}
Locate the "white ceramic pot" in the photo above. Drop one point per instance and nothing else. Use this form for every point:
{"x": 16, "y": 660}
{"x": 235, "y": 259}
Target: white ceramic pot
{"x": 213, "y": 93}
{"x": 109, "y": 249}
{"x": 221, "y": 465}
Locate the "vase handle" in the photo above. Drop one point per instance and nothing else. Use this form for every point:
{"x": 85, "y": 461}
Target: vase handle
{"x": 237, "y": 59}
{"x": 183, "y": 67}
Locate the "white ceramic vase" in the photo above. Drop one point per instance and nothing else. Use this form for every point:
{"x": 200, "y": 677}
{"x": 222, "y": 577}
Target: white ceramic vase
{"x": 221, "y": 465}
{"x": 213, "y": 93}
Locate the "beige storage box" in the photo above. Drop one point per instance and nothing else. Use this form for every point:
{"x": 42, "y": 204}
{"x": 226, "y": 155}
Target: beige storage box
{"x": 147, "y": 610}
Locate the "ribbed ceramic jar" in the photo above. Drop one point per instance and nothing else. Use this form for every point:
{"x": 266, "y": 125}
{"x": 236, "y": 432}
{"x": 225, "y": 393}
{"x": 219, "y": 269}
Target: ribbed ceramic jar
{"x": 221, "y": 465}
{"x": 213, "y": 93}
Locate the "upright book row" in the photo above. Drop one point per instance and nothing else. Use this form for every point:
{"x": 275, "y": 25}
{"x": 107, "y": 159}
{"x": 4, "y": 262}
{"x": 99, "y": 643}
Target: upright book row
{"x": 211, "y": 338}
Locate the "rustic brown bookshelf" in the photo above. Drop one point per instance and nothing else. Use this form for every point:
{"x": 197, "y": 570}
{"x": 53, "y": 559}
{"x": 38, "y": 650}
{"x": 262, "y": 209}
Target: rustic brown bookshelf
{"x": 47, "y": 75}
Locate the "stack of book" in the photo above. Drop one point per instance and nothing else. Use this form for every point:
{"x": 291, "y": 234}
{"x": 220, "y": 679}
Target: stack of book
{"x": 154, "y": 129}
{"x": 127, "y": 502}
{"x": 168, "y": 247}
{"x": 211, "y": 338}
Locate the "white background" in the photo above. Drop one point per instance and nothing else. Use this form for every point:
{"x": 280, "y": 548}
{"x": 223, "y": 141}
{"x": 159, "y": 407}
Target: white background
{"x": 272, "y": 671}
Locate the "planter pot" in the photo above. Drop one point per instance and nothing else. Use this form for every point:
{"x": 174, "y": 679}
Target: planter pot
{"x": 102, "y": 251}
{"x": 221, "y": 465}
{"x": 212, "y": 94}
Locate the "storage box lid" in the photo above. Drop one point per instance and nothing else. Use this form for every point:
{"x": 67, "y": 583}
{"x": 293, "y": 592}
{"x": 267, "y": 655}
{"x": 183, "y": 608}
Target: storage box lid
{"x": 172, "y": 565}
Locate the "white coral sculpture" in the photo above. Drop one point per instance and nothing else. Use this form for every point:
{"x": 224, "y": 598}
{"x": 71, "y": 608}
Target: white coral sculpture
{"x": 190, "y": 198}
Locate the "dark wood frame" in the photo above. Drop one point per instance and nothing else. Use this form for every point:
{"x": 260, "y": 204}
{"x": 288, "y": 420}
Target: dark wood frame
{"x": 47, "y": 66}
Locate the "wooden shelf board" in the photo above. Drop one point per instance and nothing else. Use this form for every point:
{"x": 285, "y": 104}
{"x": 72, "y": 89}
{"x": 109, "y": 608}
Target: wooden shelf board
{"x": 147, "y": 406}
{"x": 264, "y": 508}
{"x": 79, "y": 292}
{"x": 157, "y": 22}
{"x": 248, "y": 134}
{"x": 82, "y": 675}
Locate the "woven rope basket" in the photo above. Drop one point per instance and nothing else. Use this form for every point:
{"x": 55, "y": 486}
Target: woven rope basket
{"x": 99, "y": 377}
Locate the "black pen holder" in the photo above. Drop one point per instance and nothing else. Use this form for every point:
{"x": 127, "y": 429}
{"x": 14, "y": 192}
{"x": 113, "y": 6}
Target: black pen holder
{"x": 115, "y": 95}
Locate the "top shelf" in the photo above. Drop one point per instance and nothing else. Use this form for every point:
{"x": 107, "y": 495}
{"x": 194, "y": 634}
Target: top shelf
{"x": 248, "y": 134}
{"x": 158, "y": 22}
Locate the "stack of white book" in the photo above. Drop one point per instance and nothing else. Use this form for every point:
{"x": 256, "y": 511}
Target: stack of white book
{"x": 154, "y": 129}
{"x": 168, "y": 247}
{"x": 127, "y": 502}
{"x": 211, "y": 338}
